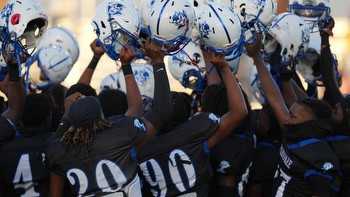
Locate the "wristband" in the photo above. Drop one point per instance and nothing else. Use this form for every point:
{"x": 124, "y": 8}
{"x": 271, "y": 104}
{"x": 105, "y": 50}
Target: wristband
{"x": 93, "y": 62}
{"x": 13, "y": 73}
{"x": 127, "y": 70}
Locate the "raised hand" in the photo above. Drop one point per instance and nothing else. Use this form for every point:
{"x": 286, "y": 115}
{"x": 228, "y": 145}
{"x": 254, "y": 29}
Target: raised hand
{"x": 127, "y": 54}
{"x": 97, "y": 48}
{"x": 218, "y": 60}
{"x": 254, "y": 49}
{"x": 327, "y": 27}
{"x": 153, "y": 51}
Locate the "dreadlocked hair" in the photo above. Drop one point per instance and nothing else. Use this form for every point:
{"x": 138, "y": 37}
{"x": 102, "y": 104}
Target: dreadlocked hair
{"x": 320, "y": 108}
{"x": 75, "y": 137}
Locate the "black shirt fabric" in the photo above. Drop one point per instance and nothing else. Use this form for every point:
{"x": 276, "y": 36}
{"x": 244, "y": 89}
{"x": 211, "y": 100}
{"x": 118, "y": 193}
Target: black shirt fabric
{"x": 22, "y": 168}
{"x": 177, "y": 162}
{"x": 111, "y": 165}
{"x": 307, "y": 164}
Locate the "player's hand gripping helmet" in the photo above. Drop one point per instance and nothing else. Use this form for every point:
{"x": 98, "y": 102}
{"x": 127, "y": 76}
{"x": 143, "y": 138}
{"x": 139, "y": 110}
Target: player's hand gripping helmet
{"x": 171, "y": 23}
{"x": 255, "y": 16}
{"x": 22, "y": 24}
{"x": 220, "y": 29}
{"x": 314, "y": 12}
{"x": 116, "y": 23}
{"x": 188, "y": 67}
{"x": 291, "y": 33}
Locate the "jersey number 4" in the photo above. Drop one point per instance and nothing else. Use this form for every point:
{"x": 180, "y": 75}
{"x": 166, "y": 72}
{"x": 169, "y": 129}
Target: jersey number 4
{"x": 23, "y": 177}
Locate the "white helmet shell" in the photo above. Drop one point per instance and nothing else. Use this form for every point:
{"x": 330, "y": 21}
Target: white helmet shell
{"x": 144, "y": 77}
{"x": 312, "y": 11}
{"x": 281, "y": 29}
{"x": 171, "y": 23}
{"x": 23, "y": 20}
{"x": 55, "y": 64}
{"x": 63, "y": 37}
{"x": 116, "y": 24}
{"x": 220, "y": 29}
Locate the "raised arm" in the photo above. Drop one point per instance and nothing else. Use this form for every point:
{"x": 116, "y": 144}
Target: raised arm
{"x": 161, "y": 111}
{"x": 90, "y": 69}
{"x": 212, "y": 74}
{"x": 237, "y": 107}
{"x": 272, "y": 93}
{"x": 326, "y": 65}
{"x": 15, "y": 91}
{"x": 133, "y": 95}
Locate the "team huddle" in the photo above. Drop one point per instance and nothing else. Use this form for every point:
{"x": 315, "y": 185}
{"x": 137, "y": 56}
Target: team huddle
{"x": 135, "y": 137}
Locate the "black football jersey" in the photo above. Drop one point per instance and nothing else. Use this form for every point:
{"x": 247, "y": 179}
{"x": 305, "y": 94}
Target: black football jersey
{"x": 305, "y": 169}
{"x": 111, "y": 165}
{"x": 8, "y": 131}
{"x": 22, "y": 168}
{"x": 178, "y": 162}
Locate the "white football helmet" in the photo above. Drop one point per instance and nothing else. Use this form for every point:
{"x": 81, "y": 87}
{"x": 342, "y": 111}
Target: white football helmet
{"x": 63, "y": 37}
{"x": 188, "y": 66}
{"x": 255, "y": 16}
{"x": 116, "y": 23}
{"x": 22, "y": 24}
{"x": 144, "y": 77}
{"x": 312, "y": 54}
{"x": 110, "y": 82}
{"x": 312, "y": 11}
{"x": 255, "y": 86}
{"x": 170, "y": 24}
{"x": 220, "y": 29}
{"x": 54, "y": 63}
{"x": 292, "y": 47}
{"x": 145, "y": 14}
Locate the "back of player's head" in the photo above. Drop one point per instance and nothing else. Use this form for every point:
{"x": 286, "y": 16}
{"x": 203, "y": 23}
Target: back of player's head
{"x": 85, "y": 89}
{"x": 274, "y": 127}
{"x": 320, "y": 108}
{"x": 36, "y": 110}
{"x": 215, "y": 100}
{"x": 181, "y": 107}
{"x": 86, "y": 118}
{"x": 113, "y": 102}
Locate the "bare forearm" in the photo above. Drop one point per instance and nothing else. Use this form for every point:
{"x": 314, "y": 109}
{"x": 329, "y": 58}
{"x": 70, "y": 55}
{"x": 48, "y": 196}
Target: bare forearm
{"x": 133, "y": 97}
{"x": 15, "y": 96}
{"x": 89, "y": 71}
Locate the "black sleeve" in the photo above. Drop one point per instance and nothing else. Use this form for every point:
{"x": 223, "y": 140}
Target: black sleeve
{"x": 62, "y": 128}
{"x": 326, "y": 64}
{"x": 161, "y": 111}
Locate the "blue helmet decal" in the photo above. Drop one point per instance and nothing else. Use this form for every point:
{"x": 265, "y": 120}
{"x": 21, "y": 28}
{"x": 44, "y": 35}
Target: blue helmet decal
{"x": 204, "y": 29}
{"x": 141, "y": 77}
{"x": 180, "y": 19}
{"x": 115, "y": 9}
